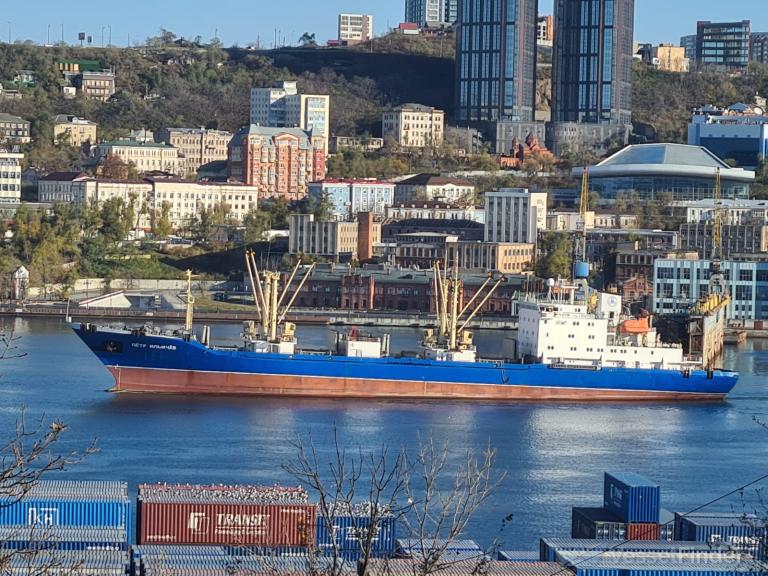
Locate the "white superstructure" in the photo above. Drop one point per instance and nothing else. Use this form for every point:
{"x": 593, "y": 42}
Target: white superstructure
{"x": 568, "y": 330}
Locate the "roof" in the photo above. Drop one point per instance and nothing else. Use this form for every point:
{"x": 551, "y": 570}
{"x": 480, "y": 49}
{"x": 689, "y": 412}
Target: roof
{"x": 360, "y": 181}
{"x": 631, "y": 479}
{"x": 199, "y": 131}
{"x": 417, "y": 108}
{"x": 432, "y": 180}
{"x": 665, "y": 160}
{"x": 448, "y": 567}
{"x": 62, "y": 176}
{"x": 450, "y": 223}
{"x": 271, "y": 132}
{"x": 69, "y": 119}
{"x": 135, "y": 144}
{"x": 4, "y": 117}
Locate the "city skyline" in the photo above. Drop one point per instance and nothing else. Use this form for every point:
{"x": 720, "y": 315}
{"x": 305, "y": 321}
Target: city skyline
{"x": 43, "y": 21}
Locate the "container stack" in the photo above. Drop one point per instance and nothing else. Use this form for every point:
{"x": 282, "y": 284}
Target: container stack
{"x": 222, "y": 561}
{"x": 348, "y": 528}
{"x": 745, "y": 533}
{"x": 550, "y": 548}
{"x": 268, "y": 517}
{"x": 457, "y": 550}
{"x": 409, "y": 567}
{"x": 631, "y": 511}
{"x": 657, "y": 564}
{"x": 56, "y": 526}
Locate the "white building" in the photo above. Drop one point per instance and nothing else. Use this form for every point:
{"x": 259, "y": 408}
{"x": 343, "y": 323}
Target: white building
{"x": 414, "y": 126}
{"x": 145, "y": 156}
{"x": 185, "y": 199}
{"x": 355, "y": 28}
{"x": 431, "y": 12}
{"x": 10, "y": 176}
{"x": 430, "y": 188}
{"x": 435, "y": 211}
{"x": 329, "y": 239}
{"x": 281, "y": 106}
{"x": 348, "y": 197}
{"x": 739, "y": 132}
{"x": 678, "y": 285}
{"x": 515, "y": 215}
{"x": 736, "y": 212}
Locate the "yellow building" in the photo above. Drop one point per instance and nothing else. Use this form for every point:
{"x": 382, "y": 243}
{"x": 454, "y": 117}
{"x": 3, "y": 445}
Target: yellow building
{"x": 76, "y": 131}
{"x": 670, "y": 58}
{"x": 414, "y": 126}
{"x": 505, "y": 257}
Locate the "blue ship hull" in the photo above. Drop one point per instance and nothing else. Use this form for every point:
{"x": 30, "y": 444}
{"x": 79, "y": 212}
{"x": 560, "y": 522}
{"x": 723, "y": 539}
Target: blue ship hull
{"x": 167, "y": 364}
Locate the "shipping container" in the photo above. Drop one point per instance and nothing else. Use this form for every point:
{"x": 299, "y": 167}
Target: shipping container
{"x": 518, "y": 556}
{"x": 347, "y": 532}
{"x": 407, "y": 567}
{"x": 56, "y": 511}
{"x": 597, "y": 524}
{"x": 744, "y": 532}
{"x": 637, "y": 531}
{"x": 659, "y": 564}
{"x": 550, "y": 547}
{"x": 63, "y": 538}
{"x": 269, "y": 525}
{"x": 405, "y": 548}
{"x": 666, "y": 525}
{"x": 632, "y": 498}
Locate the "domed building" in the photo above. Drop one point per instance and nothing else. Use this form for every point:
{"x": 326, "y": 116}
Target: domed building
{"x": 648, "y": 171}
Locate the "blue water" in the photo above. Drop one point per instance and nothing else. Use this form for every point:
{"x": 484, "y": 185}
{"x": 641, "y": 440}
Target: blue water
{"x": 553, "y": 456}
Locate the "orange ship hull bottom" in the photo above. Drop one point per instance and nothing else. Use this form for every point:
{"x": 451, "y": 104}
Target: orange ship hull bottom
{"x": 158, "y": 381}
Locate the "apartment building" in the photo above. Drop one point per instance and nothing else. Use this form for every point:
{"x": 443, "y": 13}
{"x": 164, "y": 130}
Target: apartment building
{"x": 678, "y": 284}
{"x": 14, "y": 130}
{"x": 282, "y": 106}
{"x": 545, "y": 30}
{"x": 75, "y": 131}
{"x": 10, "y": 176}
{"x": 95, "y": 85}
{"x": 197, "y": 146}
{"x": 430, "y": 187}
{"x": 146, "y": 157}
{"x": 490, "y": 256}
{"x": 349, "y": 197}
{"x": 435, "y": 210}
{"x": 670, "y": 58}
{"x": 514, "y": 215}
{"x": 185, "y": 199}
{"x": 330, "y": 239}
{"x": 280, "y": 162}
{"x": 355, "y": 28}
{"x": 723, "y": 45}
{"x": 414, "y": 126}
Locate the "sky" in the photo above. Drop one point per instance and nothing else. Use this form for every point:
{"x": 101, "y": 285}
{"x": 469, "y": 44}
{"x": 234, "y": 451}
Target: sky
{"x": 243, "y": 22}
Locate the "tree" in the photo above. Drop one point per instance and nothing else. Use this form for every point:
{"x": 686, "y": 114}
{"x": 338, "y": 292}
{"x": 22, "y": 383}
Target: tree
{"x": 116, "y": 219}
{"x": 424, "y": 492}
{"x": 257, "y": 224}
{"x": 308, "y": 39}
{"x": 160, "y": 221}
{"x": 556, "y": 256}
{"x": 113, "y": 167}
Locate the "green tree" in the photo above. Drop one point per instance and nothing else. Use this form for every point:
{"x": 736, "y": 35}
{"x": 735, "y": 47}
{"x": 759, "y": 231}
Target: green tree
{"x": 114, "y": 222}
{"x": 556, "y": 256}
{"x": 160, "y": 221}
{"x": 278, "y": 210}
{"x": 257, "y": 224}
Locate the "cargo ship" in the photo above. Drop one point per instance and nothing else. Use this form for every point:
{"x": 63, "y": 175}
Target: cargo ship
{"x": 573, "y": 345}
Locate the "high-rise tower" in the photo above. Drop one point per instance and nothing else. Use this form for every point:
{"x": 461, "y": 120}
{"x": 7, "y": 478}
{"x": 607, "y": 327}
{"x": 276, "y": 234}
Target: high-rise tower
{"x": 496, "y": 60}
{"x": 592, "y": 72}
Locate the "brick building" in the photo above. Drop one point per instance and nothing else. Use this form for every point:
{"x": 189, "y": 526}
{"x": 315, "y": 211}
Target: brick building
{"x": 281, "y": 162}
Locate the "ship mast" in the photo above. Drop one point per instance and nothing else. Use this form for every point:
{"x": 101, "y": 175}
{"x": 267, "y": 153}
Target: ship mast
{"x": 269, "y": 298}
{"x": 190, "y": 304}
{"x": 452, "y": 332}
{"x": 716, "y": 278}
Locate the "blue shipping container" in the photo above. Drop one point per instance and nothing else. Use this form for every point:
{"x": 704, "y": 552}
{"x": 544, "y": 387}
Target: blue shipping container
{"x": 549, "y": 548}
{"x": 744, "y": 532}
{"x": 348, "y": 530}
{"x": 666, "y": 525}
{"x": 632, "y": 498}
{"x": 518, "y": 556}
{"x": 54, "y": 512}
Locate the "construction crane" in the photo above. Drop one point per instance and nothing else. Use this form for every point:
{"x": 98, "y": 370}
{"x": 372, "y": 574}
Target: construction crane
{"x": 580, "y": 264}
{"x": 716, "y": 278}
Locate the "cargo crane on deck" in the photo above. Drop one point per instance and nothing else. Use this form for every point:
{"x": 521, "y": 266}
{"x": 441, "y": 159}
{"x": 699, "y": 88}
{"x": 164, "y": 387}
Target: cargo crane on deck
{"x": 272, "y": 334}
{"x": 453, "y": 342}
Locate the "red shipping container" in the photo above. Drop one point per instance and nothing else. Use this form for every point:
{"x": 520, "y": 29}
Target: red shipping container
{"x": 643, "y": 532}
{"x": 268, "y": 525}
